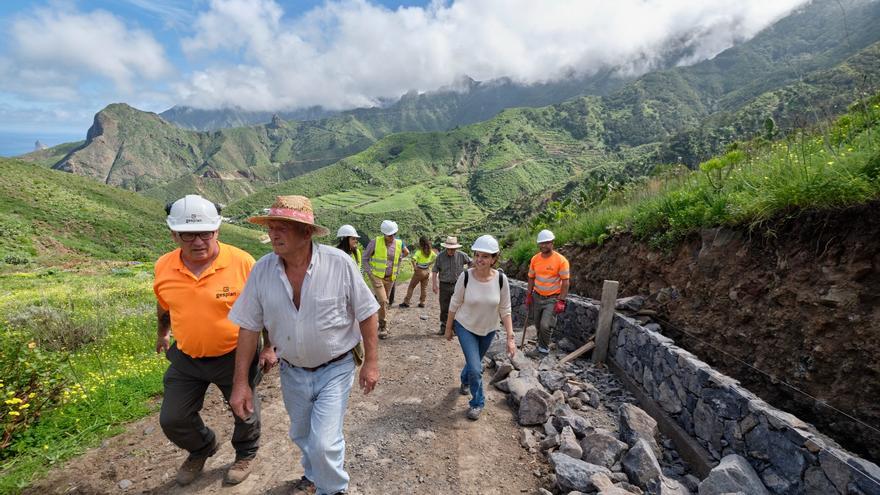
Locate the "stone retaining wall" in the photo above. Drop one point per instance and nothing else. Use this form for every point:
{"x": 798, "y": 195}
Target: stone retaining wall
{"x": 724, "y": 417}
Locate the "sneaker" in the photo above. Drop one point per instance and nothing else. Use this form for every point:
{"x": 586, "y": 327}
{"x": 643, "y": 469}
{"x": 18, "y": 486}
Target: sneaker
{"x": 464, "y": 389}
{"x": 384, "y": 333}
{"x": 538, "y": 353}
{"x": 238, "y": 471}
{"x": 193, "y": 466}
{"x": 421, "y": 305}
{"x": 304, "y": 486}
{"x": 473, "y": 413}
{"x": 442, "y": 330}
{"x": 403, "y": 305}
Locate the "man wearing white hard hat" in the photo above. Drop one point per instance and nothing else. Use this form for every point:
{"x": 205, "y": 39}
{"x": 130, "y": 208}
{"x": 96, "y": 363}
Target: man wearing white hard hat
{"x": 481, "y": 299}
{"x": 195, "y": 286}
{"x": 548, "y": 288}
{"x": 382, "y": 264}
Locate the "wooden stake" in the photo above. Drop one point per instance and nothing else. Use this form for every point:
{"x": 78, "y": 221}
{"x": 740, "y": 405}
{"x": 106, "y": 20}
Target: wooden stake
{"x": 606, "y": 315}
{"x": 577, "y": 352}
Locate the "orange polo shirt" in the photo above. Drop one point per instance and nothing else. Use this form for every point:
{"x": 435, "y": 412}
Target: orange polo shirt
{"x": 199, "y": 306}
{"x": 549, "y": 273}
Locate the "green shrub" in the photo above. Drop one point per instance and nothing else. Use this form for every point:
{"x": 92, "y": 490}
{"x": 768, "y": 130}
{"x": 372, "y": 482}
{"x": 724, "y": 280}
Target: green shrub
{"x": 31, "y": 383}
{"x": 55, "y": 328}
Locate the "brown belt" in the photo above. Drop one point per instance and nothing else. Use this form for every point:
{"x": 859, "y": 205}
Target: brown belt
{"x": 316, "y": 368}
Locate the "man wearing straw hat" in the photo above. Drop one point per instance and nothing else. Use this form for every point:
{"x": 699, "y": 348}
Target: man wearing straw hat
{"x": 317, "y": 309}
{"x": 448, "y": 266}
{"x": 195, "y": 286}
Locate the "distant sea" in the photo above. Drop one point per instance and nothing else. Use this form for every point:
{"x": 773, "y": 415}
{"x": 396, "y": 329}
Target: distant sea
{"x": 14, "y": 143}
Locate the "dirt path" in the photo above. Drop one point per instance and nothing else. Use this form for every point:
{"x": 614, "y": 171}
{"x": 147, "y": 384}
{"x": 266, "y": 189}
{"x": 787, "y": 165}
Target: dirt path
{"x": 409, "y": 436}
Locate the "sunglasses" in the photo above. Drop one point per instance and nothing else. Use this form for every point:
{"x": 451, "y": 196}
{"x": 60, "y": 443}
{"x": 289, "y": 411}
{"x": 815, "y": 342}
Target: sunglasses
{"x": 191, "y": 236}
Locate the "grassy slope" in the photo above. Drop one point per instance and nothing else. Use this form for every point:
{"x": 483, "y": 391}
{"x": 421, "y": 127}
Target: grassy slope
{"x": 54, "y": 217}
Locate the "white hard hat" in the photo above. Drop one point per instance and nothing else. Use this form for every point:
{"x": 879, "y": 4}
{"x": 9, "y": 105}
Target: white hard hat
{"x": 193, "y": 213}
{"x": 485, "y": 244}
{"x": 347, "y": 231}
{"x": 388, "y": 227}
{"x": 545, "y": 235}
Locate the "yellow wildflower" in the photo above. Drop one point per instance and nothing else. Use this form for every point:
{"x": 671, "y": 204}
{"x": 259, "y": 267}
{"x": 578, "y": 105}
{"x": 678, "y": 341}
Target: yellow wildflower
{"x": 14, "y": 413}
{"x": 32, "y": 395}
{"x": 24, "y": 406}
{"x": 31, "y": 345}
{"x": 830, "y": 163}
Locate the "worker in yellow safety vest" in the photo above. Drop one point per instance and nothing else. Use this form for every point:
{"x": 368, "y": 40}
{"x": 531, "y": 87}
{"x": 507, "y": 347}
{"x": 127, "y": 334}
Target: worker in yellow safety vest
{"x": 382, "y": 264}
{"x": 348, "y": 242}
{"x": 422, "y": 260}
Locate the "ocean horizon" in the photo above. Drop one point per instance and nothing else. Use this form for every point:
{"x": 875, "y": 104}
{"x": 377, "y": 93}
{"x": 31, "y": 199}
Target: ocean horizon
{"x": 14, "y": 143}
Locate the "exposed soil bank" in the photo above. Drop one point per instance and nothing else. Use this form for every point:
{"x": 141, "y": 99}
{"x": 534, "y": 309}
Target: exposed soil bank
{"x": 798, "y": 298}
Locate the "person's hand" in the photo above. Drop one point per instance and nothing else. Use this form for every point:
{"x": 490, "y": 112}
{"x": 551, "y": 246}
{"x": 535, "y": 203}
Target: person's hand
{"x": 241, "y": 400}
{"x": 529, "y": 299}
{"x": 163, "y": 343}
{"x": 268, "y": 359}
{"x": 449, "y": 333}
{"x": 511, "y": 346}
{"x": 559, "y": 307}
{"x": 369, "y": 377}
{"x": 435, "y": 289}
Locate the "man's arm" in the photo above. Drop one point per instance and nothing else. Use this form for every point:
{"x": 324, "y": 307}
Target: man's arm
{"x": 369, "y": 376}
{"x": 163, "y": 329}
{"x": 241, "y": 400}
{"x": 564, "y": 292}
{"x": 434, "y": 286}
{"x": 267, "y": 359}
{"x": 367, "y": 256}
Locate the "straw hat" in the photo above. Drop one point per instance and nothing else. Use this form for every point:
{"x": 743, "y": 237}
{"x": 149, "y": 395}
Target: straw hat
{"x": 292, "y": 209}
{"x": 451, "y": 242}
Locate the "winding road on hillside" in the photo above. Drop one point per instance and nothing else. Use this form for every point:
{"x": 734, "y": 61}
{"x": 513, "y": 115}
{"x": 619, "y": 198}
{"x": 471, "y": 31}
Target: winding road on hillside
{"x": 409, "y": 436}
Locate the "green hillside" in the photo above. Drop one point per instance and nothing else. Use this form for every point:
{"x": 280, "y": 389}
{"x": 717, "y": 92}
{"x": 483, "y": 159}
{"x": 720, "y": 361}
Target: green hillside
{"x": 54, "y": 218}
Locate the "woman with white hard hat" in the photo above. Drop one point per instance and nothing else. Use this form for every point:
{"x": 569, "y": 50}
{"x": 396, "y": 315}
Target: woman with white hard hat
{"x": 480, "y": 300}
{"x": 348, "y": 242}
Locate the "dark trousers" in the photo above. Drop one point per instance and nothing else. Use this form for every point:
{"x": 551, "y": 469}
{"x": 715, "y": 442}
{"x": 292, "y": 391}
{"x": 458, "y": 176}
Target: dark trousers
{"x": 186, "y": 382}
{"x": 544, "y": 318}
{"x": 446, "y": 290}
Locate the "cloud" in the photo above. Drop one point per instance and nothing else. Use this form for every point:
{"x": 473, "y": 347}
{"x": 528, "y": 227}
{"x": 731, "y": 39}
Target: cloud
{"x": 348, "y": 53}
{"x": 54, "y": 51}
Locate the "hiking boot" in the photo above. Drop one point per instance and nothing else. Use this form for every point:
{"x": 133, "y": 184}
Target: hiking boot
{"x": 442, "y": 330}
{"x": 403, "y": 305}
{"x": 304, "y": 486}
{"x": 193, "y": 466}
{"x": 384, "y": 333}
{"x": 464, "y": 389}
{"x": 238, "y": 471}
{"x": 473, "y": 413}
{"x": 421, "y": 305}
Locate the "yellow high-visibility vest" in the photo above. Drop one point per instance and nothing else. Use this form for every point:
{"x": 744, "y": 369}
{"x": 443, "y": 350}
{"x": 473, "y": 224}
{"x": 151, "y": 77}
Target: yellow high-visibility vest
{"x": 379, "y": 260}
{"x": 357, "y": 256}
{"x": 422, "y": 260}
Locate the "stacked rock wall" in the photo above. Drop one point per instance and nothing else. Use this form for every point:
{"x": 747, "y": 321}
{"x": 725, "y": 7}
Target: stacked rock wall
{"x": 725, "y": 418}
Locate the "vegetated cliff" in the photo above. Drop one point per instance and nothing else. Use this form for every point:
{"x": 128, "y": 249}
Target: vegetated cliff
{"x": 797, "y": 298}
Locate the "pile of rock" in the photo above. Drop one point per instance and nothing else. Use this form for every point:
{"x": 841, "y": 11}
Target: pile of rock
{"x": 594, "y": 436}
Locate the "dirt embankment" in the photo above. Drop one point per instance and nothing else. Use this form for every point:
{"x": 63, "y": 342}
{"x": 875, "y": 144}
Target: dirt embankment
{"x": 797, "y": 298}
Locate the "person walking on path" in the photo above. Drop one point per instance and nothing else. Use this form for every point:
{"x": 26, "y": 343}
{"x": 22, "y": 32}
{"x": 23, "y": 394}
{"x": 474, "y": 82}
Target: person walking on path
{"x": 547, "y": 290}
{"x": 382, "y": 264}
{"x": 348, "y": 243}
{"x": 422, "y": 260}
{"x": 447, "y": 267}
{"x": 481, "y": 298}
{"x": 195, "y": 285}
{"x": 318, "y": 310}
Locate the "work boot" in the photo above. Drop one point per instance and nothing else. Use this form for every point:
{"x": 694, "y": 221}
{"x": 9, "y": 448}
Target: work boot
{"x": 193, "y": 466}
{"x": 442, "y": 330}
{"x": 421, "y": 305}
{"x": 538, "y": 353}
{"x": 239, "y": 471}
{"x": 403, "y": 305}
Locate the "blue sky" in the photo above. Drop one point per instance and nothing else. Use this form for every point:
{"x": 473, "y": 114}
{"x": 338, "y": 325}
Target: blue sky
{"x": 61, "y": 61}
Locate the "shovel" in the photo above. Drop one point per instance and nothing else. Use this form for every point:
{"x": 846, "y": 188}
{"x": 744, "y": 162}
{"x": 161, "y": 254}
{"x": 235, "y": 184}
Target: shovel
{"x": 525, "y": 326}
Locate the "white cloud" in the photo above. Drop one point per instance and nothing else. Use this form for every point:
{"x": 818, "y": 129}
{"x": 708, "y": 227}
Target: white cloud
{"x": 346, "y": 53}
{"x": 53, "y": 51}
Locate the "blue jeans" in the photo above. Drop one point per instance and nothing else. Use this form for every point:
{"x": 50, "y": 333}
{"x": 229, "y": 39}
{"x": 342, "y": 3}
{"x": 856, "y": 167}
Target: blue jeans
{"x": 474, "y": 348}
{"x": 316, "y": 403}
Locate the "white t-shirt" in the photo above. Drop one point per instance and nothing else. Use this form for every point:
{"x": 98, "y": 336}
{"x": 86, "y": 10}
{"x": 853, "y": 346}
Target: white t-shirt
{"x": 480, "y": 306}
{"x": 333, "y": 301}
